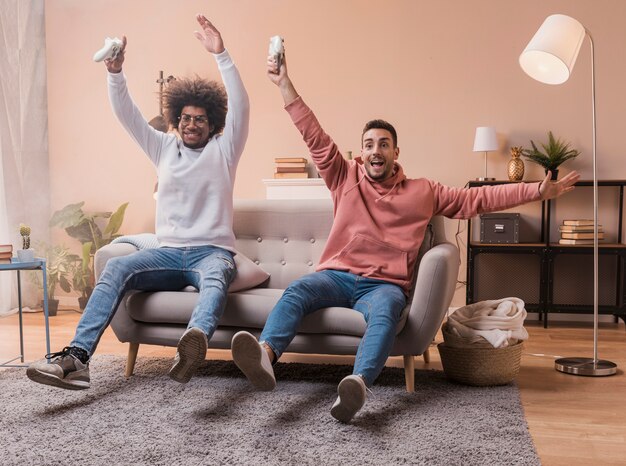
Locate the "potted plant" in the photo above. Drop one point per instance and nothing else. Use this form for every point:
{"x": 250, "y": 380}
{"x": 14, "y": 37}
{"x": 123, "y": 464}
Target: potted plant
{"x": 59, "y": 265}
{"x": 554, "y": 154}
{"x": 93, "y": 230}
{"x": 26, "y": 254}
{"x": 82, "y": 281}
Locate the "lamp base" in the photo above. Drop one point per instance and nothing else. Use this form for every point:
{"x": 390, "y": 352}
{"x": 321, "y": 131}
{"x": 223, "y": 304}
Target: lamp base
{"x": 482, "y": 178}
{"x": 585, "y": 366}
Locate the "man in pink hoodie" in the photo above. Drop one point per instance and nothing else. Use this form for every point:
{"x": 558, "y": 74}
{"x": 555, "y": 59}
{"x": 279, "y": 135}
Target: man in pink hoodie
{"x": 368, "y": 262}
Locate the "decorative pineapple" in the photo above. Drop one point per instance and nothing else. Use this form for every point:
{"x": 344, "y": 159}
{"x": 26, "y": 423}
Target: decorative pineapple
{"x": 25, "y": 233}
{"x": 516, "y": 165}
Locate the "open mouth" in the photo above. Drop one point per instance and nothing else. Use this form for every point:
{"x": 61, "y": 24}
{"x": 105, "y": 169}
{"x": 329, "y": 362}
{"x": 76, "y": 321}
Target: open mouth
{"x": 377, "y": 163}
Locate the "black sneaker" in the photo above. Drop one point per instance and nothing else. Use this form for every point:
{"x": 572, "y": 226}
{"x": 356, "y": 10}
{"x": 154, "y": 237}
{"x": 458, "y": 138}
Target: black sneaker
{"x": 62, "y": 369}
{"x": 192, "y": 348}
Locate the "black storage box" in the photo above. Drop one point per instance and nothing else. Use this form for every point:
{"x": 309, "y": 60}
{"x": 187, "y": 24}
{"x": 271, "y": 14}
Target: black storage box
{"x": 499, "y": 228}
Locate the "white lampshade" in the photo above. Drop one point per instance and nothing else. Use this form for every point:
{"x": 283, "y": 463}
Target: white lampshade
{"x": 485, "y": 139}
{"x": 551, "y": 54}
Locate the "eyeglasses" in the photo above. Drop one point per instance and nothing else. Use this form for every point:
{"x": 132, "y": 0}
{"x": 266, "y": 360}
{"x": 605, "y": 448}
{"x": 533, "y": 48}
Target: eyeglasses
{"x": 199, "y": 120}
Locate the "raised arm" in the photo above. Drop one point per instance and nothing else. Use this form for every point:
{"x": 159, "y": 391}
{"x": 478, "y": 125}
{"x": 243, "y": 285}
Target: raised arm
{"x": 236, "y": 125}
{"x": 150, "y": 140}
{"x": 327, "y": 158}
{"x": 281, "y": 78}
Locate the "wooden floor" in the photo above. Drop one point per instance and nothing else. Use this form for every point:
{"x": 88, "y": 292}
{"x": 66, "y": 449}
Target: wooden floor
{"x": 573, "y": 420}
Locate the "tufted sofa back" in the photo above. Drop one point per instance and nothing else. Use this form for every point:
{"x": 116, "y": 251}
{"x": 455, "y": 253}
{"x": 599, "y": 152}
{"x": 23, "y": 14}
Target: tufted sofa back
{"x": 285, "y": 237}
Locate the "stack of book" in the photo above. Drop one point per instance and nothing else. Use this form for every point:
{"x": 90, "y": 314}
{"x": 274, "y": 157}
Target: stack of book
{"x": 290, "y": 167}
{"x": 579, "y": 232}
{"x": 6, "y": 252}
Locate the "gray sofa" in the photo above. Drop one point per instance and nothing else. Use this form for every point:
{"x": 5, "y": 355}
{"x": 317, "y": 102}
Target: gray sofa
{"x": 286, "y": 238}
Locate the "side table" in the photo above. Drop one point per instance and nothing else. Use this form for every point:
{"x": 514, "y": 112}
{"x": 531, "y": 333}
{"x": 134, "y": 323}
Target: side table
{"x": 37, "y": 264}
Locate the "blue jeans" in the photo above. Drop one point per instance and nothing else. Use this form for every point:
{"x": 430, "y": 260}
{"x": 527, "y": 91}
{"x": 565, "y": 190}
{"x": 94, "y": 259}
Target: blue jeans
{"x": 208, "y": 268}
{"x": 381, "y": 304}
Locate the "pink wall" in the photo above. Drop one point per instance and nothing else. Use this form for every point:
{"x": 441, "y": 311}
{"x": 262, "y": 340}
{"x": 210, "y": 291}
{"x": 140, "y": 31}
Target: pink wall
{"x": 436, "y": 70}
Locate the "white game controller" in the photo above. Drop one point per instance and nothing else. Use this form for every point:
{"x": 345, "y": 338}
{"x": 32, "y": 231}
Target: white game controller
{"x": 277, "y": 50}
{"x": 110, "y": 50}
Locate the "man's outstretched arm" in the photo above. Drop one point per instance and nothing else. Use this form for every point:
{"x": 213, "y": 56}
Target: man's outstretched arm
{"x": 281, "y": 78}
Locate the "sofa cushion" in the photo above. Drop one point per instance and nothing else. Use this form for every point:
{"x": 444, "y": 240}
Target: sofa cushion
{"x": 248, "y": 275}
{"x": 245, "y": 309}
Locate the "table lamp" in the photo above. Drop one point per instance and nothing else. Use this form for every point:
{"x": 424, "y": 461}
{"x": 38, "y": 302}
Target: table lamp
{"x": 485, "y": 141}
{"x": 549, "y": 58}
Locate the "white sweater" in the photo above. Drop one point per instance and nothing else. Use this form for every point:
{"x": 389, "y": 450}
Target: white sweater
{"x": 195, "y": 201}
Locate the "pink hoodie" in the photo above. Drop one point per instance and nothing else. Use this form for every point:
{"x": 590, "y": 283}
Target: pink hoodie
{"x": 379, "y": 226}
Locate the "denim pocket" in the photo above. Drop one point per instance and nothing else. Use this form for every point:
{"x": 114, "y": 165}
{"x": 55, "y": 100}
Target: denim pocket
{"x": 228, "y": 261}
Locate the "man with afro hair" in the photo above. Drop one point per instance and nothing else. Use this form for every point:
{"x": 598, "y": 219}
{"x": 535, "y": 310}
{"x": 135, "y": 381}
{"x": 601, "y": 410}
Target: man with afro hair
{"x": 196, "y": 171}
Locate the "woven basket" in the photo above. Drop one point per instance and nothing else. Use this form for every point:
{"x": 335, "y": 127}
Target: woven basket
{"x": 481, "y": 366}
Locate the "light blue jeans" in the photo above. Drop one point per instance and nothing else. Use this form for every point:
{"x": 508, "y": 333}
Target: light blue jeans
{"x": 208, "y": 268}
{"x": 381, "y": 304}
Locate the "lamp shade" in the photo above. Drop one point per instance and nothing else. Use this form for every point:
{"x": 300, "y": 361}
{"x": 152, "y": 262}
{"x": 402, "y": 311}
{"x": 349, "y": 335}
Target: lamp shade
{"x": 551, "y": 54}
{"x": 485, "y": 139}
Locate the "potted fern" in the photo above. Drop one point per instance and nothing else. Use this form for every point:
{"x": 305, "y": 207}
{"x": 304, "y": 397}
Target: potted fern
{"x": 553, "y": 155}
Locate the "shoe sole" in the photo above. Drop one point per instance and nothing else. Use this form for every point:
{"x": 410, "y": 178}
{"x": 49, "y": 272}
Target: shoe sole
{"x": 192, "y": 349}
{"x": 247, "y": 355}
{"x": 46, "y": 379}
{"x": 351, "y": 400}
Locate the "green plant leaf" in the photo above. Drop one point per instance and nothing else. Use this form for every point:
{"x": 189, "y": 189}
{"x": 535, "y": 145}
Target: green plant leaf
{"x": 554, "y": 153}
{"x": 115, "y": 223}
{"x": 86, "y": 259}
{"x": 70, "y": 215}
{"x": 65, "y": 284}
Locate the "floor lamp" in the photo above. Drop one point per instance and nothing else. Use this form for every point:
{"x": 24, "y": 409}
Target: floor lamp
{"x": 549, "y": 58}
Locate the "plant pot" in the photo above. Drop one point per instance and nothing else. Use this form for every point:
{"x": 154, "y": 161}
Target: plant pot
{"x": 53, "y": 307}
{"x": 555, "y": 173}
{"x": 82, "y": 302}
{"x": 26, "y": 255}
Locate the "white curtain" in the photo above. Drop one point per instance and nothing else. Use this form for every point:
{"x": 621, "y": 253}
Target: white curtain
{"x": 24, "y": 173}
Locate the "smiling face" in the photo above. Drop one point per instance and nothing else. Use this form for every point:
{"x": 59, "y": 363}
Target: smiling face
{"x": 194, "y": 127}
{"x": 379, "y": 153}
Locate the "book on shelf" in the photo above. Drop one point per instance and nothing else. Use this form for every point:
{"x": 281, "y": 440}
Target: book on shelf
{"x": 291, "y": 175}
{"x": 291, "y": 164}
{"x": 578, "y": 222}
{"x": 578, "y": 228}
{"x": 6, "y": 248}
{"x": 290, "y": 160}
{"x": 4, "y": 255}
{"x": 290, "y": 170}
{"x": 575, "y": 241}
{"x": 5, "y": 261}
{"x": 566, "y": 235}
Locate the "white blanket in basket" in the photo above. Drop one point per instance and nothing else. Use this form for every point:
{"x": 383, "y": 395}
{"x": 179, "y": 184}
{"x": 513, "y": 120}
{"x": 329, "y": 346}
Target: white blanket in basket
{"x": 499, "y": 321}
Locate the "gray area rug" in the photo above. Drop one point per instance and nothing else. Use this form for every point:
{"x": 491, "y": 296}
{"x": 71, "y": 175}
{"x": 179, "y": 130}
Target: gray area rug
{"x": 218, "y": 419}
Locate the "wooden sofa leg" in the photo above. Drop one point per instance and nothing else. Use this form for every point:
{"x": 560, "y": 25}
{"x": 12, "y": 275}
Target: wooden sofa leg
{"x": 133, "y": 349}
{"x": 409, "y": 372}
{"x": 426, "y": 355}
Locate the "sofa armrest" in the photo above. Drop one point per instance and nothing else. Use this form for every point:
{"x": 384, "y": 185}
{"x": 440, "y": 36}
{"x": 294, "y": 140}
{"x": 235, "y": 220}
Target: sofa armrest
{"x": 434, "y": 289}
{"x": 109, "y": 251}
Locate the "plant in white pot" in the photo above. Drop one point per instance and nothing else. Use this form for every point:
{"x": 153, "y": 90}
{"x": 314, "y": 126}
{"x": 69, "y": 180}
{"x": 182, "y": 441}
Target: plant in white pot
{"x": 26, "y": 254}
